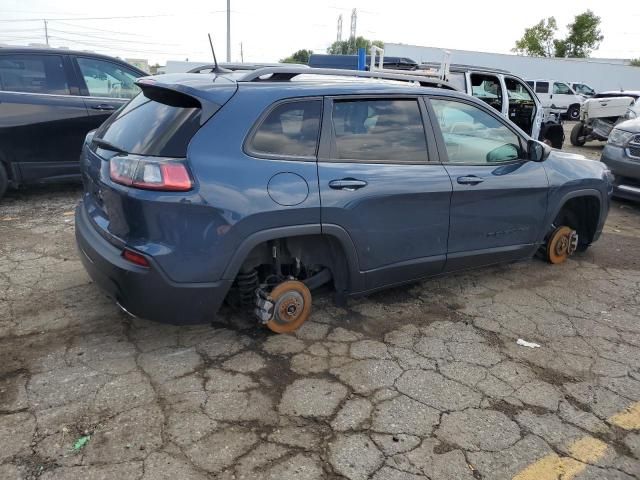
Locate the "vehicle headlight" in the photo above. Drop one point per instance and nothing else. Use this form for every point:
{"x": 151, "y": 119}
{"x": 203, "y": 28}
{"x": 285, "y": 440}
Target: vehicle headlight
{"x": 619, "y": 138}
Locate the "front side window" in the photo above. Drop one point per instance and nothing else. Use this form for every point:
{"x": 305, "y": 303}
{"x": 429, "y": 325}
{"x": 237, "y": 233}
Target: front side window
{"x": 487, "y": 88}
{"x": 290, "y": 129}
{"x": 33, "y": 74}
{"x": 472, "y": 136}
{"x": 107, "y": 79}
{"x": 542, "y": 87}
{"x": 583, "y": 89}
{"x": 379, "y": 130}
{"x": 561, "y": 89}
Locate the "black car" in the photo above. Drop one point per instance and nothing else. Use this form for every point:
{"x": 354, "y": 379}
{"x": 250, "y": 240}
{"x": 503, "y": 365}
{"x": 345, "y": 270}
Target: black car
{"x": 49, "y": 100}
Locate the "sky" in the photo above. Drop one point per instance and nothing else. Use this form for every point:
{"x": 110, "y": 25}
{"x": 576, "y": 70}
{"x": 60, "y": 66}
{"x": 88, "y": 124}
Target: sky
{"x": 272, "y": 30}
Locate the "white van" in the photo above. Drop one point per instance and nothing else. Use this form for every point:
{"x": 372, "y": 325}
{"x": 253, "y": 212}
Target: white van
{"x": 560, "y": 95}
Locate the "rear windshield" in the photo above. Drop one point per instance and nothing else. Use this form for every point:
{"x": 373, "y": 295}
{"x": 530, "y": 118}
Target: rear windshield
{"x": 148, "y": 127}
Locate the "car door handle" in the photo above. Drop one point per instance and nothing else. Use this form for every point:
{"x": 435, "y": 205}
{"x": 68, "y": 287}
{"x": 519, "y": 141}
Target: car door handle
{"x": 350, "y": 184}
{"x": 103, "y": 107}
{"x": 470, "y": 180}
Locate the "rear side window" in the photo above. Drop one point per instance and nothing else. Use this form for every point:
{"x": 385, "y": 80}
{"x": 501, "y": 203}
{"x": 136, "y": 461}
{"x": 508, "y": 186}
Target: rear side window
{"x": 107, "y": 79}
{"x": 290, "y": 129}
{"x": 153, "y": 128}
{"x": 379, "y": 130}
{"x": 457, "y": 80}
{"x": 542, "y": 87}
{"x": 33, "y": 74}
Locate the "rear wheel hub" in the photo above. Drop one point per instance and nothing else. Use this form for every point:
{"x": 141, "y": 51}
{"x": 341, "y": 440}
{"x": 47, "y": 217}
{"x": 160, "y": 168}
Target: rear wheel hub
{"x": 291, "y": 306}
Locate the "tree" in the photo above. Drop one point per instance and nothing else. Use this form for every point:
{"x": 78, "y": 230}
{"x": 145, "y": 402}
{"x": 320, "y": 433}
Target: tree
{"x": 584, "y": 36}
{"x": 635, "y": 62}
{"x": 351, "y": 46}
{"x": 538, "y": 41}
{"x": 301, "y": 56}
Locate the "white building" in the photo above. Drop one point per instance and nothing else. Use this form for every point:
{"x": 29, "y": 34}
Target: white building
{"x": 601, "y": 74}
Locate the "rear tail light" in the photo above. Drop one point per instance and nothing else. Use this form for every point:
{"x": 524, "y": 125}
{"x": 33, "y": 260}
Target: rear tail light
{"x": 150, "y": 174}
{"x": 135, "y": 257}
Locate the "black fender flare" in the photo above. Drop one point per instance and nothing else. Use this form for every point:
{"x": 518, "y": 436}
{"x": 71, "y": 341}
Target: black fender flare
{"x": 355, "y": 280}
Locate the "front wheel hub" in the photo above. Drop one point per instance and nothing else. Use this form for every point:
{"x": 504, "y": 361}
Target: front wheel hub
{"x": 562, "y": 243}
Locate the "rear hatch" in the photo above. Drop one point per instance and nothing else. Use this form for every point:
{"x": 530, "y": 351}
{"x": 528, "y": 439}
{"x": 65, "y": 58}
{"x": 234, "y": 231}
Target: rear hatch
{"x": 139, "y": 155}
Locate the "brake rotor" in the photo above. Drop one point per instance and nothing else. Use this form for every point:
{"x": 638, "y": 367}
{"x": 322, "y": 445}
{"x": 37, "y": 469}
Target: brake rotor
{"x": 292, "y": 306}
{"x": 562, "y": 243}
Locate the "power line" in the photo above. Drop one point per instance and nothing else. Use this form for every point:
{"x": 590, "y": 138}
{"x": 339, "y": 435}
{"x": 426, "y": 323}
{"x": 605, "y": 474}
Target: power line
{"x": 91, "y": 36}
{"x": 98, "y": 45}
{"x": 101, "y": 29}
{"x": 125, "y": 17}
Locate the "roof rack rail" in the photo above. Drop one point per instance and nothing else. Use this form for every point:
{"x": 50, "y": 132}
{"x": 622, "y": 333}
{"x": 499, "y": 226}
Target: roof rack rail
{"x": 281, "y": 74}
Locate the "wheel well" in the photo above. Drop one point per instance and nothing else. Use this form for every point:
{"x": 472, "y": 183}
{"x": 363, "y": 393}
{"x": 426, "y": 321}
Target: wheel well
{"x": 582, "y": 214}
{"x": 300, "y": 256}
{"x": 7, "y": 167}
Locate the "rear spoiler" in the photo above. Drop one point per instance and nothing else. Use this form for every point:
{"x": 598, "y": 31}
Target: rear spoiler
{"x": 182, "y": 95}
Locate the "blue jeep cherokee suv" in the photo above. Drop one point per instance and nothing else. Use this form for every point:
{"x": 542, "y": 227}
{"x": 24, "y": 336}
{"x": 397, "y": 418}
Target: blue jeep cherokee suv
{"x": 260, "y": 186}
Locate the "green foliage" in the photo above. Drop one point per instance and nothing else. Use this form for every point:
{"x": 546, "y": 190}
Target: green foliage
{"x": 301, "y": 56}
{"x": 351, "y": 46}
{"x": 583, "y": 37}
{"x": 635, "y": 62}
{"x": 538, "y": 41}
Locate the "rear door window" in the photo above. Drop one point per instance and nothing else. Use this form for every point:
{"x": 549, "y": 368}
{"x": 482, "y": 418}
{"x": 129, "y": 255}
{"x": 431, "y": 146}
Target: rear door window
{"x": 153, "y": 128}
{"x": 31, "y": 73}
{"x": 290, "y": 129}
{"x": 108, "y": 79}
{"x": 542, "y": 87}
{"x": 379, "y": 130}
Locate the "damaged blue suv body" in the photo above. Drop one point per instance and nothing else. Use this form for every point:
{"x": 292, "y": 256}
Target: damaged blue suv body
{"x": 257, "y": 187}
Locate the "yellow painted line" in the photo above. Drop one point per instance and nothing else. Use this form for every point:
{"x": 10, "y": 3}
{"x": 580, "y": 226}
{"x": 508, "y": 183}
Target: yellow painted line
{"x": 629, "y": 419}
{"x": 553, "y": 467}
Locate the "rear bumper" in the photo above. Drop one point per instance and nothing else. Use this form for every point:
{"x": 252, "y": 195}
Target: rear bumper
{"x": 145, "y": 292}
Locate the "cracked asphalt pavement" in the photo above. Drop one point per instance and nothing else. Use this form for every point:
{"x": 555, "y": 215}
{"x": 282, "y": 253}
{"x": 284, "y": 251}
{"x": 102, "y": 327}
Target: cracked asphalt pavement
{"x": 419, "y": 382}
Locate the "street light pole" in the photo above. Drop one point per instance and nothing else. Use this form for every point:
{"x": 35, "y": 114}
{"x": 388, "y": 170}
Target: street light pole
{"x": 46, "y": 33}
{"x": 228, "y": 30}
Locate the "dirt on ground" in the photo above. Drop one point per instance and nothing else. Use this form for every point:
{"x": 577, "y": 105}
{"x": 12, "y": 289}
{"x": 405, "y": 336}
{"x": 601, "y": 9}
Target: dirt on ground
{"x": 419, "y": 382}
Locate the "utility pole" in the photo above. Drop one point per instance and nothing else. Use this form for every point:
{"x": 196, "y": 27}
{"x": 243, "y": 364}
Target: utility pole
{"x": 46, "y": 33}
{"x": 354, "y": 18}
{"x": 339, "y": 36}
{"x": 228, "y": 30}
{"x": 241, "y": 54}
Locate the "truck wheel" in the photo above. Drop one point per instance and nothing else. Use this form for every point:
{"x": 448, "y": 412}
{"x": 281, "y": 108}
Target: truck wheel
{"x": 574, "y": 112}
{"x": 4, "y": 180}
{"x": 562, "y": 243}
{"x": 292, "y": 306}
{"x": 577, "y": 137}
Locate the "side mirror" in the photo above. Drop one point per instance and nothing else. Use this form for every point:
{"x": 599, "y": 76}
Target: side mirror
{"x": 538, "y": 151}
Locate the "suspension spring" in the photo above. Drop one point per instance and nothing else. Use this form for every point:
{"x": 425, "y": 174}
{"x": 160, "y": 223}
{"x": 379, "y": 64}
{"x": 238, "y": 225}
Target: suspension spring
{"x": 247, "y": 284}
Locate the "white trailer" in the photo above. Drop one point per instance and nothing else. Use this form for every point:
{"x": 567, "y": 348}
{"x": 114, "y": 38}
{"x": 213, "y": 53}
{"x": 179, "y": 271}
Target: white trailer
{"x": 601, "y": 74}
